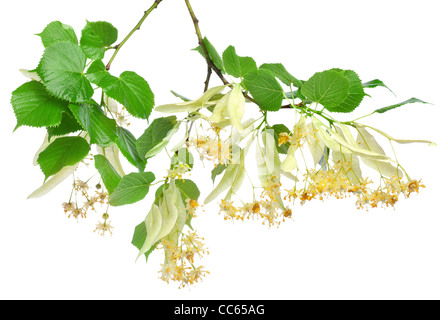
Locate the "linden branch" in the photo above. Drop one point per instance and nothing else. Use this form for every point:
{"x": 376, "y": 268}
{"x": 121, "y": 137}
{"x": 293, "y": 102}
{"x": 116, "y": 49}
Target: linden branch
{"x": 137, "y": 27}
{"x": 202, "y": 44}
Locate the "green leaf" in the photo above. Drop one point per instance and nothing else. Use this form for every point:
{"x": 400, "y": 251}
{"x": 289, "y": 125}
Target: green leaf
{"x": 328, "y": 88}
{"x": 61, "y": 69}
{"x": 132, "y": 188}
{"x": 57, "y": 31}
{"x": 139, "y": 237}
{"x": 281, "y": 73}
{"x": 102, "y": 130}
{"x": 412, "y": 100}
{"x": 213, "y": 54}
{"x": 96, "y": 36}
{"x": 34, "y": 106}
{"x": 62, "y": 152}
{"x": 108, "y": 174}
{"x": 218, "y": 170}
{"x": 238, "y": 66}
{"x": 97, "y": 73}
{"x": 130, "y": 90}
{"x": 127, "y": 145}
{"x": 185, "y": 99}
{"x": 265, "y": 90}
{"x": 300, "y": 95}
{"x": 355, "y": 92}
{"x": 375, "y": 83}
{"x": 156, "y": 136}
{"x": 188, "y": 189}
{"x": 68, "y": 125}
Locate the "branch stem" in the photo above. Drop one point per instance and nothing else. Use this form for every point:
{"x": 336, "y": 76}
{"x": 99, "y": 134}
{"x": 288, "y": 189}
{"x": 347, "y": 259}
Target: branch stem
{"x": 202, "y": 44}
{"x": 208, "y": 77}
{"x": 137, "y": 27}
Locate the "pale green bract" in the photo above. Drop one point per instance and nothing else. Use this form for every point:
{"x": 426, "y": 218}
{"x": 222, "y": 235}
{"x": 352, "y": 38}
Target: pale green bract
{"x": 191, "y": 106}
{"x": 367, "y": 141}
{"x": 153, "y": 224}
{"x": 166, "y": 219}
{"x": 230, "y": 107}
{"x": 225, "y": 182}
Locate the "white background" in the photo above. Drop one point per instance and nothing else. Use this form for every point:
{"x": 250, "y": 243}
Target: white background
{"x": 330, "y": 250}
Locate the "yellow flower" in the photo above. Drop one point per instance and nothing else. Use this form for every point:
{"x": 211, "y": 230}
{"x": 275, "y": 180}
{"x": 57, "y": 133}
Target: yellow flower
{"x": 179, "y": 260}
{"x": 215, "y": 150}
{"x": 178, "y": 171}
{"x": 103, "y": 227}
{"x": 283, "y": 138}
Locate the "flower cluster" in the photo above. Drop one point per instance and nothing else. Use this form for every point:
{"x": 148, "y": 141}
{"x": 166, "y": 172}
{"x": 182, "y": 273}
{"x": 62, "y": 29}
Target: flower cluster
{"x": 178, "y": 171}
{"x": 83, "y": 193}
{"x": 180, "y": 258}
{"x": 334, "y": 172}
{"x": 191, "y": 207}
{"x": 269, "y": 208}
{"x": 389, "y": 194}
{"x": 164, "y": 224}
{"x": 331, "y": 182}
{"x": 212, "y": 149}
